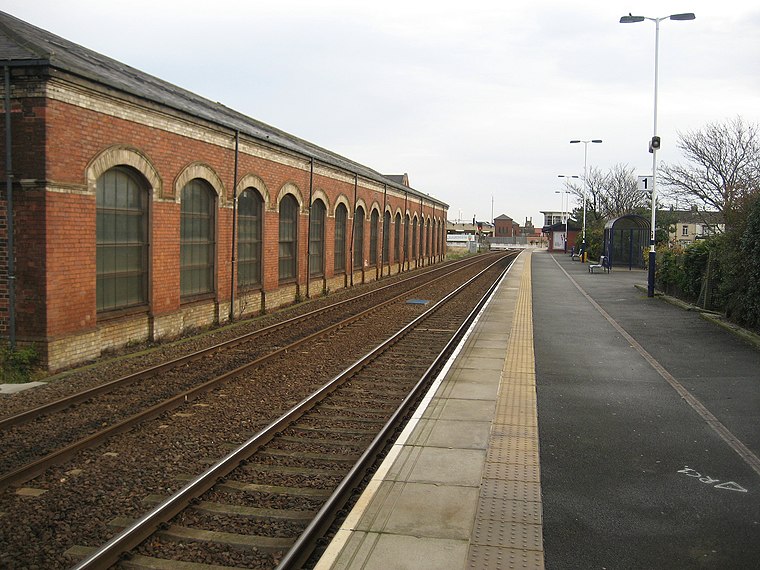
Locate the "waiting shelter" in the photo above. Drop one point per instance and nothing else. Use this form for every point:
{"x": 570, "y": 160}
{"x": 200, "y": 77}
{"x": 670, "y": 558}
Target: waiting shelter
{"x": 625, "y": 239}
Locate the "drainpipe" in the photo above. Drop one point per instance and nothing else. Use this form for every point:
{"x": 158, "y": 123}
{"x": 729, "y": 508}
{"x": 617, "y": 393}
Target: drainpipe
{"x": 382, "y": 235}
{"x": 234, "y": 226}
{"x": 431, "y": 253}
{"x": 351, "y": 249}
{"x": 9, "y": 206}
{"x": 420, "y": 257}
{"x": 308, "y": 238}
{"x": 405, "y": 239}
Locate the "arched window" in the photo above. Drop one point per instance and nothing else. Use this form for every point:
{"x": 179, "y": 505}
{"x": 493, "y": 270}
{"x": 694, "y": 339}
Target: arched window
{"x": 422, "y": 238}
{"x": 433, "y": 242}
{"x": 386, "y": 236}
{"x": 317, "y": 239}
{"x": 358, "y": 238}
{"x": 250, "y": 207}
{"x": 427, "y": 238}
{"x": 341, "y": 215}
{"x": 406, "y": 238}
{"x": 288, "y": 257}
{"x": 121, "y": 240}
{"x": 414, "y": 239}
{"x": 397, "y": 239}
{"x": 374, "y": 228}
{"x": 196, "y": 242}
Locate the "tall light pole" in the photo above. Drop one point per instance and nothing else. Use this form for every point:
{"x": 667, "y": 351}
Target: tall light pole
{"x": 585, "y": 185}
{"x": 654, "y": 144}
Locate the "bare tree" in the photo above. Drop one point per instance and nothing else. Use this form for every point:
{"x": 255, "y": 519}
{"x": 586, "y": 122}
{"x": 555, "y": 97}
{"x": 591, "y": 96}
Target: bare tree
{"x": 609, "y": 194}
{"x": 722, "y": 169}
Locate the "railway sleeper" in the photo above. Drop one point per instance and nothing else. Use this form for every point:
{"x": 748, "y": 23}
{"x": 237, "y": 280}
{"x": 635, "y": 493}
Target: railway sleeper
{"x": 328, "y": 457}
{"x": 322, "y": 441}
{"x": 336, "y": 430}
{"x": 360, "y": 420}
{"x": 348, "y": 405}
{"x": 141, "y": 562}
{"x": 271, "y": 489}
{"x": 290, "y": 470}
{"x": 240, "y": 511}
{"x": 183, "y": 533}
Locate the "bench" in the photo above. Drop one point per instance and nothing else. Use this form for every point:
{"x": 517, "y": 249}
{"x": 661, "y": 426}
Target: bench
{"x": 604, "y": 265}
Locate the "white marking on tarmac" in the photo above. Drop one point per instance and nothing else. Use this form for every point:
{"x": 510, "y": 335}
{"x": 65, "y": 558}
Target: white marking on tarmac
{"x": 728, "y": 485}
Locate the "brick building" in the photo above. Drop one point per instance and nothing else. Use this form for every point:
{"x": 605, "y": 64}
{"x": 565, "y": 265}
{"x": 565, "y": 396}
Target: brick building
{"x": 126, "y": 190}
{"x": 504, "y": 226}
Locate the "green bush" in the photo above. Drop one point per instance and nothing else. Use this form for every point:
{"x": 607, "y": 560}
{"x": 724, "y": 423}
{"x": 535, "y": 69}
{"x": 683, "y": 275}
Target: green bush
{"x": 16, "y": 366}
{"x": 742, "y": 285}
{"x": 669, "y": 272}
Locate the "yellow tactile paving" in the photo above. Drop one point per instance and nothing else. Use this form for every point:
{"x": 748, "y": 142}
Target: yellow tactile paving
{"x": 507, "y": 531}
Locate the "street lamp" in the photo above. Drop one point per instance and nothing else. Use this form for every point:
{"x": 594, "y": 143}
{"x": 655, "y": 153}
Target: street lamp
{"x": 585, "y": 184}
{"x": 562, "y": 207}
{"x": 654, "y": 144}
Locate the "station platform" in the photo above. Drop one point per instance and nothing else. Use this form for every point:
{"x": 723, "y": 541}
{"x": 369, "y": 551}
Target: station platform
{"x": 579, "y": 425}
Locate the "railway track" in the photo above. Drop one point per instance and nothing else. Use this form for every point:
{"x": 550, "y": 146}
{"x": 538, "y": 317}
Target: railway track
{"x": 117, "y": 406}
{"x": 268, "y": 502}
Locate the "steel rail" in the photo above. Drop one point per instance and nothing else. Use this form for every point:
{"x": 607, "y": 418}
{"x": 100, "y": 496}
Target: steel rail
{"x": 35, "y": 468}
{"x": 68, "y": 401}
{"x": 120, "y": 545}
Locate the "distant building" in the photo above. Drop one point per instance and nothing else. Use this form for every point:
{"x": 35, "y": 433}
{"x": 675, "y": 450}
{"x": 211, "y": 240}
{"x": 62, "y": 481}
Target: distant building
{"x": 552, "y": 217}
{"x": 504, "y": 226}
{"x": 484, "y": 229}
{"x": 688, "y": 226}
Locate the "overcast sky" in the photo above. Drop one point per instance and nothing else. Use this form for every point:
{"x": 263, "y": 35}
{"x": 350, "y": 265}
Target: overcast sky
{"x": 476, "y": 100}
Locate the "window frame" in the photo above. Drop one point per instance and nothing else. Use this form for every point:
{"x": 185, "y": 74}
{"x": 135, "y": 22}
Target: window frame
{"x": 194, "y": 245}
{"x": 254, "y": 239}
{"x": 142, "y": 243}
{"x": 358, "y": 238}
{"x": 287, "y": 265}
{"x": 317, "y": 239}
{"x": 339, "y": 241}
{"x": 374, "y": 229}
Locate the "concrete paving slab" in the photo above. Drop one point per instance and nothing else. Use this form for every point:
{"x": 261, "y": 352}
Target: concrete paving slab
{"x": 402, "y": 552}
{"x": 463, "y": 467}
{"x": 454, "y": 434}
{"x": 461, "y": 409}
{"x": 15, "y": 388}
{"x": 422, "y": 509}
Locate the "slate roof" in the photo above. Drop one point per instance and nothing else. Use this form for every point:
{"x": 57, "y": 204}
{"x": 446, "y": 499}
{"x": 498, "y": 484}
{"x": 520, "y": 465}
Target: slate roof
{"x": 694, "y": 216}
{"x": 24, "y": 44}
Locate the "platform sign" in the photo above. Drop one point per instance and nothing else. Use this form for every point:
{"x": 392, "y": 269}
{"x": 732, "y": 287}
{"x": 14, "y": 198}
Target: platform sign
{"x": 645, "y": 184}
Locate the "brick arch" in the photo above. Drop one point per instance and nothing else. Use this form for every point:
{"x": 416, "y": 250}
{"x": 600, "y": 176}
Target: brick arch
{"x": 321, "y": 195}
{"x": 253, "y": 181}
{"x": 360, "y": 203}
{"x": 289, "y": 188}
{"x": 341, "y": 199}
{"x": 120, "y": 155}
{"x": 204, "y": 172}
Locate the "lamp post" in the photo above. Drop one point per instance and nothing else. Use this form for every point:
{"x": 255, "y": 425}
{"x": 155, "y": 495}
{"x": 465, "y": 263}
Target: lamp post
{"x": 654, "y": 144}
{"x": 585, "y": 185}
{"x": 562, "y": 208}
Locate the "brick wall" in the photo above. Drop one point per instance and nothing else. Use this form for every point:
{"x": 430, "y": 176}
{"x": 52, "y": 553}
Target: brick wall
{"x": 66, "y": 139}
